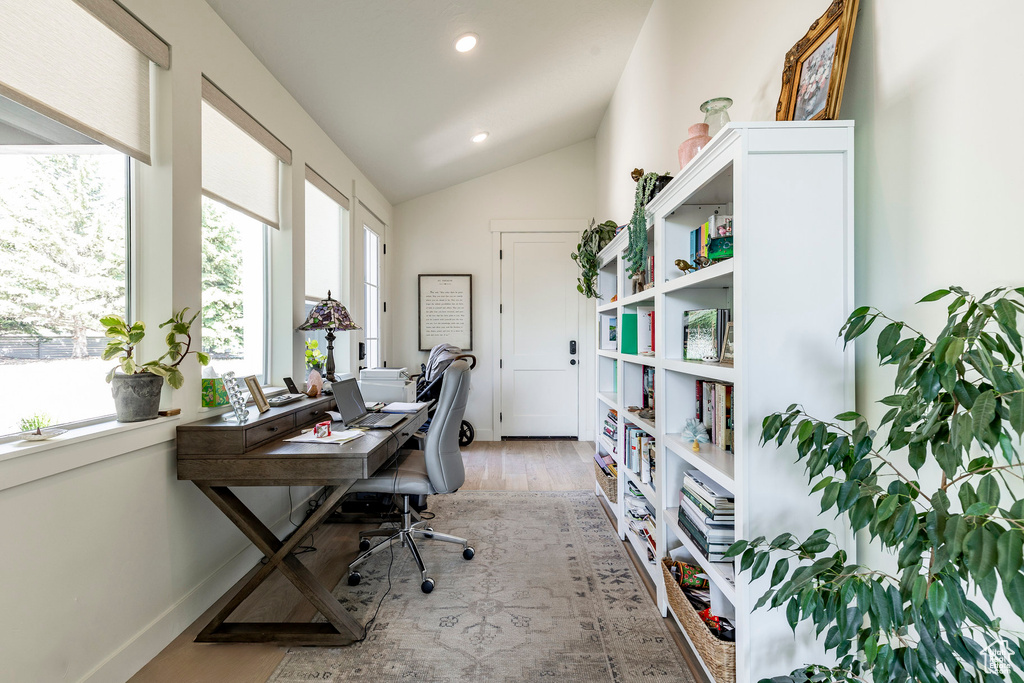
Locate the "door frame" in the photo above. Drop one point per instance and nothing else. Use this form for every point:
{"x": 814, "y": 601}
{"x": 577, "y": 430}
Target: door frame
{"x": 585, "y": 323}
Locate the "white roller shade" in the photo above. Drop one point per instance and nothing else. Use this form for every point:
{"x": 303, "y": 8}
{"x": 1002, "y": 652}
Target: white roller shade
{"x": 321, "y": 184}
{"x": 241, "y": 158}
{"x": 60, "y": 60}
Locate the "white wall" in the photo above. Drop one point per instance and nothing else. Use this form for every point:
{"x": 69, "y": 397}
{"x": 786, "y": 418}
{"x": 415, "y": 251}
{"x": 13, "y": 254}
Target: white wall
{"x": 933, "y": 86}
{"x": 107, "y": 557}
{"x": 449, "y": 232}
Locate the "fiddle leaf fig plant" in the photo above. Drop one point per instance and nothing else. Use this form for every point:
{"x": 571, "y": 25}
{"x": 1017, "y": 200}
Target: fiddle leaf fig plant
{"x": 124, "y": 338}
{"x": 939, "y": 491}
{"x": 594, "y": 239}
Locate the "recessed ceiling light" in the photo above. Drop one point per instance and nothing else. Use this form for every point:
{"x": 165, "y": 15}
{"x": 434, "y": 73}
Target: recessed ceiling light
{"x": 466, "y": 42}
{"x": 480, "y": 137}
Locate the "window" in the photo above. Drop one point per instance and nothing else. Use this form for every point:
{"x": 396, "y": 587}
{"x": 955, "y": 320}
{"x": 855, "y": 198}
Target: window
{"x": 372, "y": 301}
{"x": 63, "y": 265}
{"x": 235, "y": 292}
{"x": 326, "y": 223}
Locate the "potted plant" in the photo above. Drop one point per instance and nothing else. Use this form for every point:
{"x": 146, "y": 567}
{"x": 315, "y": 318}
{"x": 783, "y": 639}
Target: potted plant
{"x": 939, "y": 492}
{"x": 594, "y": 239}
{"x": 137, "y": 387}
{"x": 635, "y": 256}
{"x": 315, "y": 358}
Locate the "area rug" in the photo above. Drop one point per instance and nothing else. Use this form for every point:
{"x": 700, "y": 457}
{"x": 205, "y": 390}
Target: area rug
{"x": 550, "y": 596}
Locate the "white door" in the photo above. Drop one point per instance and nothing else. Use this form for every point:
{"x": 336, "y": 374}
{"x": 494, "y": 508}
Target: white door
{"x": 539, "y": 323}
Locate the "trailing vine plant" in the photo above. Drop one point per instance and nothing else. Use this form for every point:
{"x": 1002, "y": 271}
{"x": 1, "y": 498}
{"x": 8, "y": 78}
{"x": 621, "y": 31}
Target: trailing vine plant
{"x": 635, "y": 255}
{"x": 937, "y": 491}
{"x": 594, "y": 239}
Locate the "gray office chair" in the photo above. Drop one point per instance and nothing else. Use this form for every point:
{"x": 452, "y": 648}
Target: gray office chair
{"x": 436, "y": 469}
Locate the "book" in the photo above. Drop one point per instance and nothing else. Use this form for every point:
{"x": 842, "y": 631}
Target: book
{"x": 645, "y": 330}
{"x": 707, "y": 490}
{"x": 720, "y": 515}
{"x": 627, "y": 334}
{"x": 717, "y": 534}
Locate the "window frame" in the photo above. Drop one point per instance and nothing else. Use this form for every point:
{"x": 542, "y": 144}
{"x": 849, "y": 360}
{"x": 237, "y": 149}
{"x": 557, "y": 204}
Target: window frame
{"x": 379, "y": 286}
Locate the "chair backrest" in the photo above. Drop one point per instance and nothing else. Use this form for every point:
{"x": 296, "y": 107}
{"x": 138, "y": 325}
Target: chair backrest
{"x": 443, "y": 457}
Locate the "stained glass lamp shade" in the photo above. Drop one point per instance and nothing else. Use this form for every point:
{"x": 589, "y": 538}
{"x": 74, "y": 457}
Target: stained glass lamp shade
{"x": 329, "y": 315}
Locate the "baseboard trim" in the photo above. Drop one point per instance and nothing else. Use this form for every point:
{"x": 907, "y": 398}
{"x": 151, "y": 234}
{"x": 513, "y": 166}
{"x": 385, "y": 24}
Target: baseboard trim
{"x": 135, "y": 653}
{"x": 485, "y": 435}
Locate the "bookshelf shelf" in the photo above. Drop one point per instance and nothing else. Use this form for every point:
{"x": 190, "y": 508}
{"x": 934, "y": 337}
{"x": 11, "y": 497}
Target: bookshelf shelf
{"x": 722, "y": 574}
{"x": 788, "y": 187}
{"x": 713, "y": 371}
{"x": 717, "y": 276}
{"x": 717, "y": 463}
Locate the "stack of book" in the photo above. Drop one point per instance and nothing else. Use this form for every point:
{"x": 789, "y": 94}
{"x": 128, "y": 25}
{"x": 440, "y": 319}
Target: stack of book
{"x": 712, "y": 240}
{"x": 611, "y": 427}
{"x": 640, "y": 519}
{"x": 640, "y": 454}
{"x": 707, "y": 515}
{"x": 715, "y": 408}
{"x": 606, "y": 463}
{"x": 704, "y": 333}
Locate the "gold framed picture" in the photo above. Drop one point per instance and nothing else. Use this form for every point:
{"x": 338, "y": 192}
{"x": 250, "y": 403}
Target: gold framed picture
{"x": 259, "y": 399}
{"x": 815, "y": 69}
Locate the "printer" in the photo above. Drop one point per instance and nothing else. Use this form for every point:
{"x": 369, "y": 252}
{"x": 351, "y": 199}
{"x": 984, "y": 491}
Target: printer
{"x": 386, "y": 385}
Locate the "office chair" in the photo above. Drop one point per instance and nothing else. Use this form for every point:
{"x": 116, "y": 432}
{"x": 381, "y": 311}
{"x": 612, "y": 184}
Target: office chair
{"x": 436, "y": 469}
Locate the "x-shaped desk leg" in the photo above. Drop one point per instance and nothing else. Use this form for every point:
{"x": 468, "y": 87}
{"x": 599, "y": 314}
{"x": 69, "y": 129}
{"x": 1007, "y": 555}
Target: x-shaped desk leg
{"x": 340, "y": 628}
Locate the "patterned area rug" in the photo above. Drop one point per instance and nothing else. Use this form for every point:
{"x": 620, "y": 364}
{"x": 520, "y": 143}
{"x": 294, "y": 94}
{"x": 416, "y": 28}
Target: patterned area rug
{"x": 550, "y": 596}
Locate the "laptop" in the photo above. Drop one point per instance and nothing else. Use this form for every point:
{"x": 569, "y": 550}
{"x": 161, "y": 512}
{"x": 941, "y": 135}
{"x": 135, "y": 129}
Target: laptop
{"x": 353, "y": 408}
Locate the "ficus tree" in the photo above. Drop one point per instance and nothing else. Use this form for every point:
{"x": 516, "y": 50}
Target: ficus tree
{"x": 937, "y": 491}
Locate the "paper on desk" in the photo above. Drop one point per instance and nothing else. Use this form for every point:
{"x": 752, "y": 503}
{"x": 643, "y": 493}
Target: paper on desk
{"x": 404, "y": 407}
{"x": 335, "y": 438}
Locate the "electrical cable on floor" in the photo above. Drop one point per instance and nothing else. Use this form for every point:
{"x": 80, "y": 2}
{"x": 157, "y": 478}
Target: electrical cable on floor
{"x": 391, "y": 562}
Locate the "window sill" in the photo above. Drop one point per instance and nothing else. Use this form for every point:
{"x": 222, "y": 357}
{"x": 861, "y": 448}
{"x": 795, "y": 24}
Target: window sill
{"x": 75, "y": 448}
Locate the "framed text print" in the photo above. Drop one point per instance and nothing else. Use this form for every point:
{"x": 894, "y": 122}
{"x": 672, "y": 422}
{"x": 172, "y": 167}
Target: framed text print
{"x": 446, "y": 311}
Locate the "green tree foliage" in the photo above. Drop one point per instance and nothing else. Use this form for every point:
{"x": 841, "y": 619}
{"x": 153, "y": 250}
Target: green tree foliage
{"x": 62, "y": 248}
{"x": 222, "y": 282}
{"x": 955, "y": 419}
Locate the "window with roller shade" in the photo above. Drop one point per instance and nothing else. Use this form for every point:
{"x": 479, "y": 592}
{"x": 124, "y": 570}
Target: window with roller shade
{"x": 241, "y": 186}
{"x": 326, "y": 240}
{"x": 74, "y": 115}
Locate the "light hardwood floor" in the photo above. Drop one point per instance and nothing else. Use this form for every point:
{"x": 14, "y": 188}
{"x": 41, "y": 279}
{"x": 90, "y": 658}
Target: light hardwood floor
{"x": 490, "y": 466}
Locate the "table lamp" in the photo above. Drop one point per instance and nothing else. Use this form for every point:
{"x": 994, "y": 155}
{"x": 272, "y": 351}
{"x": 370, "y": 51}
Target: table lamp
{"x": 329, "y": 315}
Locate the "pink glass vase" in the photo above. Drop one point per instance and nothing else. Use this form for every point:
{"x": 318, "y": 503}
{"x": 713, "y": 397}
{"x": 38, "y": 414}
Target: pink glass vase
{"x": 699, "y": 137}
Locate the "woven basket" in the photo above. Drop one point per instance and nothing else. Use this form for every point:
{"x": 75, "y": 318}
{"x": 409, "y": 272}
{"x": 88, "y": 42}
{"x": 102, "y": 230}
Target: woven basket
{"x": 719, "y": 656}
{"x": 610, "y": 485}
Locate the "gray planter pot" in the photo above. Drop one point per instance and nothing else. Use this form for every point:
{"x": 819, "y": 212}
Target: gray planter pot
{"x": 136, "y": 397}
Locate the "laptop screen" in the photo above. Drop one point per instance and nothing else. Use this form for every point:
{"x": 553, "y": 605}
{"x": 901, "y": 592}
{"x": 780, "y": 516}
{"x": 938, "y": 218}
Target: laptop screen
{"x": 349, "y": 400}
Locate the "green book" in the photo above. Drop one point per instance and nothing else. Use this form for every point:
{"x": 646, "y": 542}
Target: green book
{"x": 627, "y": 333}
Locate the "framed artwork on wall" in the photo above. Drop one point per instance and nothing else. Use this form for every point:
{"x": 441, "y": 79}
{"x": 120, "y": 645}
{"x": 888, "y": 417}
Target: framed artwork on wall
{"x": 815, "y": 69}
{"x": 445, "y": 311}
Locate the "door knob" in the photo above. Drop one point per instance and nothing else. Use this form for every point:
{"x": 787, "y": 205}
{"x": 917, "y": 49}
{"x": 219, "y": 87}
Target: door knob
{"x": 572, "y": 362}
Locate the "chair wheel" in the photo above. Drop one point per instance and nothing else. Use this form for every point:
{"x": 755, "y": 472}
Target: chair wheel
{"x": 468, "y": 553}
{"x": 364, "y": 545}
{"x": 354, "y": 578}
{"x": 466, "y": 433}
{"x": 427, "y": 585}
{"x": 427, "y": 529}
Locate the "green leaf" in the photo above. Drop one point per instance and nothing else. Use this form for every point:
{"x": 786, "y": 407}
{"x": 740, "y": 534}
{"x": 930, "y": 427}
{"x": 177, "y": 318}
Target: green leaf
{"x": 115, "y": 321}
{"x": 918, "y": 454}
{"x": 1010, "y": 548}
{"x": 934, "y": 296}
{"x": 886, "y": 508}
{"x": 110, "y": 375}
{"x": 747, "y": 559}
{"x": 953, "y": 351}
{"x": 982, "y": 413}
{"x": 982, "y": 555}
{"x": 828, "y": 499}
{"x": 979, "y": 509}
{"x": 937, "y": 599}
{"x": 780, "y": 571}
{"x": 793, "y": 613}
{"x": 1014, "y": 592}
{"x": 736, "y": 548}
{"x": 111, "y": 351}
{"x": 919, "y": 591}
{"x": 988, "y": 490}
{"x": 135, "y": 337}
{"x": 1016, "y": 409}
{"x": 202, "y": 358}
{"x": 760, "y": 565}
{"x": 888, "y": 338}
{"x": 848, "y": 416}
{"x": 870, "y": 649}
{"x": 175, "y": 378}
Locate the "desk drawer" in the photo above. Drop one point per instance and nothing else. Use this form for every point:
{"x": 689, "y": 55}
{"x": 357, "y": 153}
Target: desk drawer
{"x": 311, "y": 414}
{"x": 257, "y": 434}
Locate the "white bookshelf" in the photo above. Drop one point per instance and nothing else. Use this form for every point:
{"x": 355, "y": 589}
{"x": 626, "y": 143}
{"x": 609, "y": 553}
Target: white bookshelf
{"x": 789, "y": 187}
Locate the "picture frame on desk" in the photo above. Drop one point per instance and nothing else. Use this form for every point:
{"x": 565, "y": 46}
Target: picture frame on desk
{"x": 259, "y": 399}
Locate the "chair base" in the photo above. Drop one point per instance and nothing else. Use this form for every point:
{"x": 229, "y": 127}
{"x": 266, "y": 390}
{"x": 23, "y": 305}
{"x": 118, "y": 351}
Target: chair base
{"x": 407, "y": 535}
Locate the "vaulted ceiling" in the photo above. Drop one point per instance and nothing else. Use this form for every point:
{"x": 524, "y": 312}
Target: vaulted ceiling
{"x": 383, "y": 79}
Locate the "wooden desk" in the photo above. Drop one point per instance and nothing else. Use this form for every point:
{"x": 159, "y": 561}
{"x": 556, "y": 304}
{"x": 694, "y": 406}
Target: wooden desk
{"x": 215, "y": 454}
